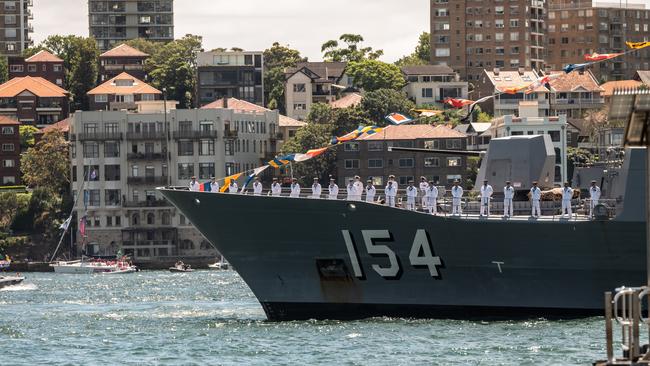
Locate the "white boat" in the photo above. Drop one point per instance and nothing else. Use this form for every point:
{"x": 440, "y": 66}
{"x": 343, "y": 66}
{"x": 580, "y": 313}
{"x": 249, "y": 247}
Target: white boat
{"x": 181, "y": 267}
{"x": 221, "y": 265}
{"x": 84, "y": 267}
{"x": 6, "y": 281}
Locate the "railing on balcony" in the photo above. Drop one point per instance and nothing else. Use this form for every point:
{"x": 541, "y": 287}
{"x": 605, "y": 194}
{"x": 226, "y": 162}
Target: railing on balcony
{"x": 122, "y": 105}
{"x": 98, "y": 136}
{"x": 147, "y": 243}
{"x": 230, "y": 134}
{"x": 277, "y": 136}
{"x": 193, "y": 134}
{"x": 145, "y": 156}
{"x": 147, "y": 180}
{"x": 146, "y": 135}
{"x": 147, "y": 203}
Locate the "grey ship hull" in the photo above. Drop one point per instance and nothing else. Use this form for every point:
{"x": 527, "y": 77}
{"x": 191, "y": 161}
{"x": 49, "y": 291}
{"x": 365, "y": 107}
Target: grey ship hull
{"x": 306, "y": 258}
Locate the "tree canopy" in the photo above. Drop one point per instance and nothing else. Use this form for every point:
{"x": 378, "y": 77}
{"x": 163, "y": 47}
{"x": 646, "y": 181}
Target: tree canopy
{"x": 276, "y": 60}
{"x": 379, "y": 103}
{"x": 371, "y": 75}
{"x": 47, "y": 164}
{"x": 350, "y": 51}
{"x": 27, "y": 136}
{"x": 421, "y": 55}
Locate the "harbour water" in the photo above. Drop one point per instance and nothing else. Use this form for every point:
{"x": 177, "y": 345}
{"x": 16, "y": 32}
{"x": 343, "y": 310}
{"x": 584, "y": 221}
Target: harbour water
{"x": 160, "y": 318}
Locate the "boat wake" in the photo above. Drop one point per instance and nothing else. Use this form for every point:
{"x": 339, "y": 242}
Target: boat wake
{"x": 21, "y": 287}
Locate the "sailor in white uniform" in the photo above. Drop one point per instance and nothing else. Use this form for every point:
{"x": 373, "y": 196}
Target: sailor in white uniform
{"x": 457, "y": 196}
{"x": 411, "y": 196}
{"x": 276, "y": 188}
{"x": 358, "y": 188}
{"x": 535, "y": 197}
{"x": 257, "y": 187}
{"x": 508, "y": 195}
{"x": 332, "y": 190}
{"x": 295, "y": 188}
{"x": 316, "y": 189}
{"x": 391, "y": 192}
{"x": 567, "y": 195}
{"x": 431, "y": 196}
{"x": 232, "y": 187}
{"x": 594, "y": 196}
{"x": 486, "y": 196}
{"x": 194, "y": 185}
{"x": 351, "y": 190}
{"x": 423, "y": 190}
{"x": 370, "y": 191}
{"x": 214, "y": 185}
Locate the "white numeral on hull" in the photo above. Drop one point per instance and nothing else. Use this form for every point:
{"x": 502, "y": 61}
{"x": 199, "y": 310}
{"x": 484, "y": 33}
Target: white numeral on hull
{"x": 420, "y": 255}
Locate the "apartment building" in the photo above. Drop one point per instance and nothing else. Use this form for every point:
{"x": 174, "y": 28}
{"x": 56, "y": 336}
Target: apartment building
{"x": 122, "y": 58}
{"x": 369, "y": 158}
{"x": 472, "y": 35}
{"x": 34, "y": 101}
{"x": 122, "y": 92}
{"x": 580, "y": 27}
{"x": 113, "y": 22}
{"x": 42, "y": 64}
{"x": 432, "y": 84}
{"x": 495, "y": 81}
{"x": 314, "y": 82}
{"x": 9, "y": 151}
{"x": 230, "y": 74}
{"x": 123, "y": 156}
{"x": 15, "y": 17}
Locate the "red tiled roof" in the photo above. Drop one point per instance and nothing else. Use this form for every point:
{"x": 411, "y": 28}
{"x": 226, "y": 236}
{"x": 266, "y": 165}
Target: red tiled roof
{"x": 349, "y": 100}
{"x": 242, "y": 105}
{"x": 609, "y": 86}
{"x": 124, "y": 50}
{"x": 574, "y": 81}
{"x": 5, "y": 120}
{"x": 63, "y": 126}
{"x": 511, "y": 79}
{"x": 35, "y": 85}
{"x": 43, "y": 56}
{"x": 412, "y": 132}
{"x": 138, "y": 87}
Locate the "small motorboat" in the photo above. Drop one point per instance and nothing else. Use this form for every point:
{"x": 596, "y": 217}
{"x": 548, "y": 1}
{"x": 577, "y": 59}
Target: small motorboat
{"x": 181, "y": 267}
{"x": 6, "y": 281}
{"x": 94, "y": 266}
{"x": 220, "y": 265}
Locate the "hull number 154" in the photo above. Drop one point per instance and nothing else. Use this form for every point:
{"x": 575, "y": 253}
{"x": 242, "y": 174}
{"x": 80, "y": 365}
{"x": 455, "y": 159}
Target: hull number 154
{"x": 420, "y": 256}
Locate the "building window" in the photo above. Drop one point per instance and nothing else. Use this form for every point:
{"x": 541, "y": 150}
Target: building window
{"x": 351, "y": 163}
{"x": 375, "y": 163}
{"x": 91, "y": 172}
{"x": 185, "y": 148}
{"x": 206, "y": 147}
{"x": 111, "y": 149}
{"x": 185, "y": 170}
{"x": 403, "y": 181}
{"x": 427, "y": 93}
{"x": 31, "y": 68}
{"x": 555, "y": 136}
{"x": 16, "y": 68}
{"x": 151, "y": 218}
{"x": 451, "y": 178}
{"x": 112, "y": 197}
{"x": 375, "y": 145}
{"x": 299, "y": 88}
{"x": 299, "y": 106}
{"x": 93, "y": 197}
{"x": 453, "y": 144}
{"x": 8, "y": 163}
{"x": 431, "y": 162}
{"x": 442, "y": 52}
{"x": 91, "y": 149}
{"x": 111, "y": 173}
{"x": 453, "y": 162}
{"x": 7, "y": 130}
{"x": 351, "y": 146}
{"x": 206, "y": 170}
{"x": 8, "y": 179}
{"x": 101, "y": 98}
{"x": 57, "y": 68}
{"x": 147, "y": 97}
{"x": 406, "y": 163}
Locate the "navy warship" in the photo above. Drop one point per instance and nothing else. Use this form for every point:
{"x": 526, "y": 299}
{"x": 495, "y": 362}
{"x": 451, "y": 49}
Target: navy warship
{"x": 336, "y": 259}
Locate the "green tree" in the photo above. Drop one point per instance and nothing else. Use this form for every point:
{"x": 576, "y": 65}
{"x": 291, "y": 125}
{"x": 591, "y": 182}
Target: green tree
{"x": 312, "y": 136}
{"x": 9, "y": 206}
{"x": 4, "y": 70}
{"x": 47, "y": 165}
{"x": 380, "y": 103}
{"x": 351, "y": 51}
{"x": 174, "y": 67}
{"x": 372, "y": 75}
{"x": 276, "y": 60}
{"x": 27, "y": 136}
{"x": 321, "y": 113}
{"x": 144, "y": 45}
{"x": 421, "y": 55}
{"x": 483, "y": 117}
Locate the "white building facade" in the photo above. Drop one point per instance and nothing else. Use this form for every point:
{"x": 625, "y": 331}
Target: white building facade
{"x": 432, "y": 84}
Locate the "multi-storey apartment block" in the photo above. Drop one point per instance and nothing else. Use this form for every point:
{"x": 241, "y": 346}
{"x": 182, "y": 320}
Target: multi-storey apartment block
{"x": 34, "y": 101}
{"x": 9, "y": 151}
{"x": 15, "y": 17}
{"x": 113, "y": 22}
{"x": 472, "y": 35}
{"x": 578, "y": 27}
{"x": 369, "y": 159}
{"x": 230, "y": 75}
{"x": 314, "y": 82}
{"x": 122, "y": 58}
{"x": 43, "y": 64}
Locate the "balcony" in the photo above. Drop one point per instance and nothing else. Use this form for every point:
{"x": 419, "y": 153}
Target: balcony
{"x": 133, "y": 67}
{"x": 230, "y": 134}
{"x": 98, "y": 136}
{"x": 147, "y": 180}
{"x": 118, "y": 106}
{"x": 194, "y": 134}
{"x": 146, "y": 243}
{"x": 276, "y": 136}
{"x": 147, "y": 135}
{"x": 147, "y": 203}
{"x": 146, "y": 156}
